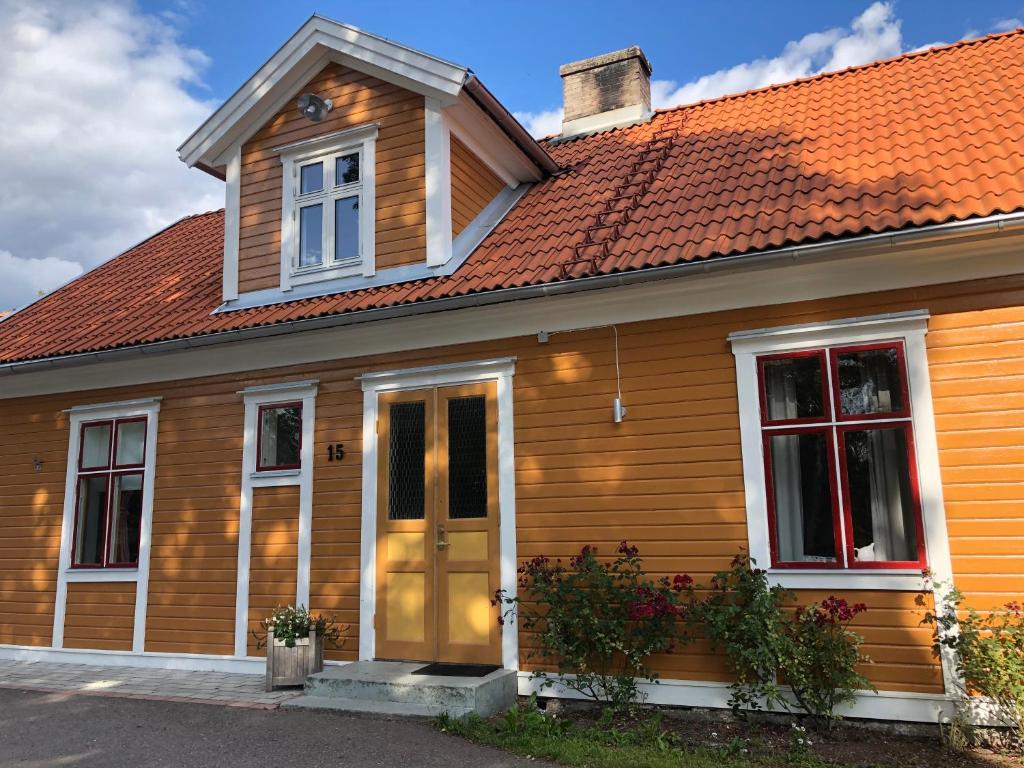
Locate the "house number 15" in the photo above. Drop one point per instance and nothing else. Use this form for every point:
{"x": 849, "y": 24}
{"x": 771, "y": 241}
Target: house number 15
{"x": 335, "y": 452}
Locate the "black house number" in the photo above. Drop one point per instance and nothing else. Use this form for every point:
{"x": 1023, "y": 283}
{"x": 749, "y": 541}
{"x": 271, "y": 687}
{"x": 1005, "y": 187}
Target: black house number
{"x": 335, "y": 452}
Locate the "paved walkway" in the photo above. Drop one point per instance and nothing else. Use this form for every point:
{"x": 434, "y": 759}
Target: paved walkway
{"x": 228, "y": 689}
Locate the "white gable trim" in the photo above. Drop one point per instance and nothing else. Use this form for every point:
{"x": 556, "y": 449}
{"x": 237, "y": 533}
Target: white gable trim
{"x": 316, "y": 42}
{"x": 437, "y": 147}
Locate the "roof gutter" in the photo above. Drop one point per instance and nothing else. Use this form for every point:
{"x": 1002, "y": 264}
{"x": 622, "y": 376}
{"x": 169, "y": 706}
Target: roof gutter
{"x": 512, "y": 127}
{"x": 991, "y": 225}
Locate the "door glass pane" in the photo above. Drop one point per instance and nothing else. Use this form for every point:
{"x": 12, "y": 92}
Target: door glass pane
{"x": 91, "y": 514}
{"x": 346, "y": 228}
{"x": 881, "y": 502}
{"x": 125, "y": 518}
{"x": 346, "y": 169}
{"x": 280, "y": 437}
{"x": 869, "y": 382}
{"x": 793, "y": 388}
{"x": 96, "y": 446}
{"x": 311, "y": 235}
{"x": 406, "y": 461}
{"x": 804, "y": 523}
{"x": 311, "y": 178}
{"x": 467, "y": 457}
{"x": 131, "y": 443}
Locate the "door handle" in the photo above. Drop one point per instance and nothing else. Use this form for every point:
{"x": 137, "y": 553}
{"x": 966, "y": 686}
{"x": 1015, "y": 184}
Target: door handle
{"x": 442, "y": 538}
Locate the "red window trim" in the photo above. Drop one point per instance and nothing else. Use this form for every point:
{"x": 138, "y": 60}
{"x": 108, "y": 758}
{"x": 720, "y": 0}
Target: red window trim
{"x": 826, "y": 400}
{"x": 773, "y": 543}
{"x": 259, "y": 436}
{"x": 108, "y": 471}
{"x": 915, "y": 497}
{"x": 835, "y": 425}
{"x": 904, "y": 413}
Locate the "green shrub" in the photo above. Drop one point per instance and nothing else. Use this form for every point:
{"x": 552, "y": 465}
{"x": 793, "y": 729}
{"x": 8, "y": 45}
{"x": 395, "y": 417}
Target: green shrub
{"x": 988, "y": 649}
{"x": 598, "y": 621}
{"x": 769, "y": 641}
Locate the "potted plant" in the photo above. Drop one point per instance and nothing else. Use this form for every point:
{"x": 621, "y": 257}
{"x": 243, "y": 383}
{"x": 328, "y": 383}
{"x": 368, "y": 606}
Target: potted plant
{"x": 294, "y": 639}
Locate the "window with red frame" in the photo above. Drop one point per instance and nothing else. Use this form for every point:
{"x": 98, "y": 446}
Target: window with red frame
{"x": 279, "y": 442}
{"x": 839, "y": 458}
{"x": 108, "y": 504}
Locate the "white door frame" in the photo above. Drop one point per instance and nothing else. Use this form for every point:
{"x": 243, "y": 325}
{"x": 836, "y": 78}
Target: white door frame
{"x": 498, "y": 370}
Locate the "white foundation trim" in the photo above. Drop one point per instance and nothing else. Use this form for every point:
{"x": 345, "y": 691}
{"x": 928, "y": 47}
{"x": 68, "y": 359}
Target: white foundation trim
{"x": 150, "y": 409}
{"x": 254, "y": 397}
{"x": 908, "y": 327}
{"x": 884, "y": 705}
{"x": 500, "y": 371}
{"x": 437, "y": 148}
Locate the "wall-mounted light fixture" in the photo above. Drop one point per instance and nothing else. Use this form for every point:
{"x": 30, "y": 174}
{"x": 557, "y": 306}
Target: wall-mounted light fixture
{"x": 37, "y": 463}
{"x": 618, "y": 409}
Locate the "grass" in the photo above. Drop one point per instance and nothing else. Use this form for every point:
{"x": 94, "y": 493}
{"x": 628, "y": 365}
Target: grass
{"x": 530, "y": 733}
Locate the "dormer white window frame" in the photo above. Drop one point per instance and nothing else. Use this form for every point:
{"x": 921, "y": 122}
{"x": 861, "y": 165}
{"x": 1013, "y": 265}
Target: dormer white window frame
{"x": 327, "y": 149}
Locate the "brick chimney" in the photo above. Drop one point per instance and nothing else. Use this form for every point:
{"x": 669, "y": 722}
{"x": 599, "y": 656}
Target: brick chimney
{"x": 606, "y": 91}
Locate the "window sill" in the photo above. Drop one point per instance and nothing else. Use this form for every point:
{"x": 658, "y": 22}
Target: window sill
{"x": 276, "y": 477}
{"x": 849, "y": 579}
{"x": 342, "y": 269}
{"x": 99, "y": 575}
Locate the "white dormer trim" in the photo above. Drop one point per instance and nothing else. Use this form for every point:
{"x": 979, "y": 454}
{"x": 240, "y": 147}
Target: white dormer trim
{"x": 474, "y": 128}
{"x": 438, "y": 162}
{"x": 316, "y": 43}
{"x": 232, "y": 220}
{"x": 363, "y": 139}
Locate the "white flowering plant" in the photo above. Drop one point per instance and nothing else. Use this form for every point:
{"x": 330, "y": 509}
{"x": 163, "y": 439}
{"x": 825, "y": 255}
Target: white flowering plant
{"x": 290, "y": 623}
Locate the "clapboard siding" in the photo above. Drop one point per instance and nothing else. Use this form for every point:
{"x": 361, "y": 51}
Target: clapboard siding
{"x": 274, "y": 561}
{"x": 400, "y": 177}
{"x": 474, "y": 185}
{"x": 669, "y": 478}
{"x": 100, "y": 616}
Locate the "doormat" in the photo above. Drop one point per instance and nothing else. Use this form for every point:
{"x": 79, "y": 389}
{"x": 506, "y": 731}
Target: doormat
{"x": 457, "y": 670}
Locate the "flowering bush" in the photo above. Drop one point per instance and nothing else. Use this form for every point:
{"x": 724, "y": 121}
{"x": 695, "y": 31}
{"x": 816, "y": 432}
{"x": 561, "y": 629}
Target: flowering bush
{"x": 290, "y": 623}
{"x": 988, "y": 649}
{"x": 812, "y": 649}
{"x": 598, "y": 621}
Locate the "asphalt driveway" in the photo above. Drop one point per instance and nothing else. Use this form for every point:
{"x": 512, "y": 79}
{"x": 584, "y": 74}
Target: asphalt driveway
{"x": 73, "y": 731}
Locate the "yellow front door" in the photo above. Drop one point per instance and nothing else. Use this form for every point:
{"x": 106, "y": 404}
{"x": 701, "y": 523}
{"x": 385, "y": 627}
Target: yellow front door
{"x": 437, "y": 525}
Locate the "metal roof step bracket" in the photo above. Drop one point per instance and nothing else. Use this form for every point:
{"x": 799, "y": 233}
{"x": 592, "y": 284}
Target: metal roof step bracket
{"x": 617, "y": 210}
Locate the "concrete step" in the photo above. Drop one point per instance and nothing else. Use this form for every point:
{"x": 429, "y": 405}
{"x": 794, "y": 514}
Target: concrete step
{"x": 395, "y": 708}
{"x": 363, "y": 685}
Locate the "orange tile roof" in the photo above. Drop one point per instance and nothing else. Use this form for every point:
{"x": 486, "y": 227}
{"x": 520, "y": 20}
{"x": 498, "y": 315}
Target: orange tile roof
{"x": 921, "y": 139}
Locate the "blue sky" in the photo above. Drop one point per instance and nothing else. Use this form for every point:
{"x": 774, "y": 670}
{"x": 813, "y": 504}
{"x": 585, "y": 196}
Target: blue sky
{"x": 98, "y": 94}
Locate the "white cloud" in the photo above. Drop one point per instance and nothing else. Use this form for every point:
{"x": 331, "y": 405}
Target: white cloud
{"x": 874, "y": 34}
{"x": 22, "y": 280}
{"x": 541, "y": 124}
{"x": 1005, "y": 25}
{"x": 96, "y": 100}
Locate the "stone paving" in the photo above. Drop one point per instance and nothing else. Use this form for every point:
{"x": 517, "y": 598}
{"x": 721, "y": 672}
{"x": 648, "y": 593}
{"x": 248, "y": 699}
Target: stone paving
{"x": 225, "y": 688}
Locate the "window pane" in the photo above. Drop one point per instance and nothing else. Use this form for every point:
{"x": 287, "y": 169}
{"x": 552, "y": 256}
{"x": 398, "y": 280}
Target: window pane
{"x": 869, "y": 381}
{"x": 280, "y": 437}
{"x": 311, "y": 235}
{"x": 467, "y": 457}
{"x": 801, "y": 484}
{"x": 125, "y": 519}
{"x": 346, "y": 169}
{"x": 92, "y": 508}
{"x": 406, "y": 469}
{"x": 96, "y": 446}
{"x": 346, "y": 228}
{"x": 131, "y": 443}
{"x": 793, "y": 388}
{"x": 311, "y": 178}
{"x": 881, "y": 502}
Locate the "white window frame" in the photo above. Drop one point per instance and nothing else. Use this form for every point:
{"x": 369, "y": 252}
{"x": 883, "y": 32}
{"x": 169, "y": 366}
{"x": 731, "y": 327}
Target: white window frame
{"x": 148, "y": 409}
{"x": 910, "y": 329}
{"x": 361, "y": 140}
{"x": 253, "y": 398}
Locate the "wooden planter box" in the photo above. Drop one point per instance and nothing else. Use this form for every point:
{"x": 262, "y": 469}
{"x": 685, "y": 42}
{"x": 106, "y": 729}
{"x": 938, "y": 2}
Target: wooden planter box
{"x": 290, "y": 666}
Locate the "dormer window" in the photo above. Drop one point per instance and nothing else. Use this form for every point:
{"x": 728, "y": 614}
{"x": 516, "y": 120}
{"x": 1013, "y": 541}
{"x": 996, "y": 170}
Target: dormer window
{"x": 328, "y": 207}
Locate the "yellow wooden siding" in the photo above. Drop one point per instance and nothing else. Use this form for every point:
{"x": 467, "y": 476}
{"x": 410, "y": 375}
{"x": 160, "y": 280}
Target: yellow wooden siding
{"x": 669, "y": 478}
{"x": 474, "y": 185}
{"x": 400, "y": 172}
{"x": 100, "y": 616}
{"x": 273, "y": 559}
